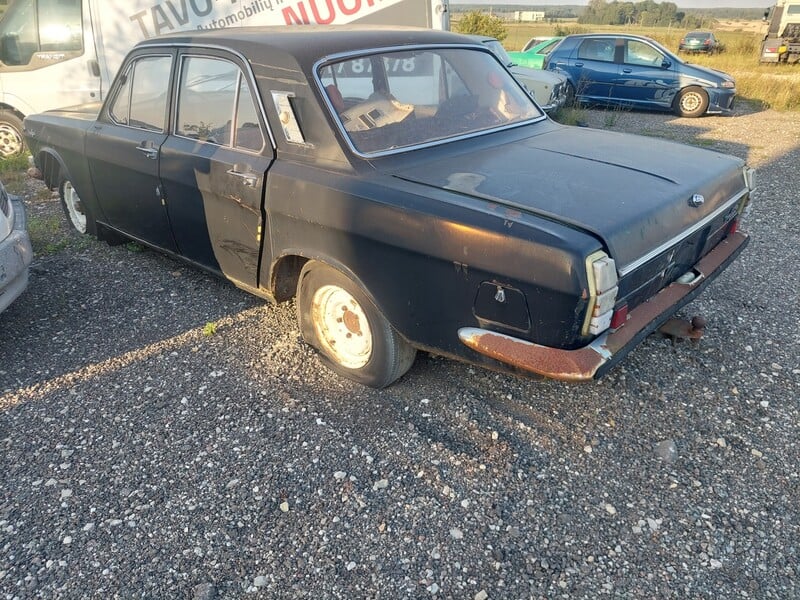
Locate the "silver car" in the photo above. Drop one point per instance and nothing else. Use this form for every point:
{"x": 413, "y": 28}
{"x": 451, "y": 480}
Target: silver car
{"x": 550, "y": 90}
{"x": 15, "y": 248}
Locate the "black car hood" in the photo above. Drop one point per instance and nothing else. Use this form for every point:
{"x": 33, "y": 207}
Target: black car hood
{"x": 630, "y": 191}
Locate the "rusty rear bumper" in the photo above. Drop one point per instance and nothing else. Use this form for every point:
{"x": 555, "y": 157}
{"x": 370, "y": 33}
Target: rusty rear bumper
{"x": 592, "y": 361}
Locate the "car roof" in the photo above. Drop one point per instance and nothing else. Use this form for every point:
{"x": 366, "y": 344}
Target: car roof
{"x": 481, "y": 38}
{"x": 628, "y": 36}
{"x": 308, "y": 43}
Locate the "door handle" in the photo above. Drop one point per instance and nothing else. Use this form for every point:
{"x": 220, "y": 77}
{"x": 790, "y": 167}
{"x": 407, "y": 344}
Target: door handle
{"x": 578, "y": 64}
{"x": 148, "y": 150}
{"x": 627, "y": 70}
{"x": 249, "y": 179}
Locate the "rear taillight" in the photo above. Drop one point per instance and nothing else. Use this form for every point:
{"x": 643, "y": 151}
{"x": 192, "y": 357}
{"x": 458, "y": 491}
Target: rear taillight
{"x": 619, "y": 317}
{"x": 601, "y": 272}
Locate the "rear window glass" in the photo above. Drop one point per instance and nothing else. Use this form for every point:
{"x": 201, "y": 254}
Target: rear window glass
{"x": 394, "y": 100}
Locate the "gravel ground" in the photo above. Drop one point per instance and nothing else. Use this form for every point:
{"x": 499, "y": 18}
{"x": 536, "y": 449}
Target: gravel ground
{"x": 145, "y": 456}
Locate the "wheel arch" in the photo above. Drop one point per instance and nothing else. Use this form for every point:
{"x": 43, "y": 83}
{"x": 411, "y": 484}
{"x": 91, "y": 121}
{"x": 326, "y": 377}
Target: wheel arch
{"x": 287, "y": 268}
{"x": 12, "y": 109}
{"x": 52, "y": 167}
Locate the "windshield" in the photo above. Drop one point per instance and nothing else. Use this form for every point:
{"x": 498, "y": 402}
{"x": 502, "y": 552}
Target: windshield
{"x": 497, "y": 49}
{"x": 395, "y": 100}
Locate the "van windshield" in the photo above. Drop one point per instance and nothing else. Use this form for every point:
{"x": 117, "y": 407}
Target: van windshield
{"x": 395, "y": 100}
{"x": 31, "y": 26}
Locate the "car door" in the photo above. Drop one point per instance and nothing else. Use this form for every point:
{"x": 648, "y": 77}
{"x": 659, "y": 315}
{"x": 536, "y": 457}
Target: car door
{"x": 123, "y": 146}
{"x": 647, "y": 77}
{"x": 214, "y": 165}
{"x": 594, "y": 69}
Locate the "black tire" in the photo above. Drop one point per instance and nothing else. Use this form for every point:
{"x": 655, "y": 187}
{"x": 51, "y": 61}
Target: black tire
{"x": 11, "y": 140}
{"x": 78, "y": 214}
{"x": 377, "y": 356}
{"x": 570, "y": 101}
{"x": 691, "y": 102}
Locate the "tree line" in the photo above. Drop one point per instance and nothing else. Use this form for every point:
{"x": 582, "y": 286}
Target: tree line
{"x": 647, "y": 14}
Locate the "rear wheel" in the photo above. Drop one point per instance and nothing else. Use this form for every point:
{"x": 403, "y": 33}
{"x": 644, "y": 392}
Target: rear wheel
{"x": 11, "y": 141}
{"x": 338, "y": 319}
{"x": 691, "y": 102}
{"x": 76, "y": 211}
{"x": 570, "y": 95}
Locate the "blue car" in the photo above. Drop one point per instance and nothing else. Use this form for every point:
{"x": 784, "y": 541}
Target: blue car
{"x": 637, "y": 72}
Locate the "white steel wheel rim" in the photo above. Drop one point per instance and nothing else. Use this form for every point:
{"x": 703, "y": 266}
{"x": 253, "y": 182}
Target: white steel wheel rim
{"x": 691, "y": 102}
{"x": 74, "y": 207}
{"x": 342, "y": 326}
{"x": 10, "y": 141}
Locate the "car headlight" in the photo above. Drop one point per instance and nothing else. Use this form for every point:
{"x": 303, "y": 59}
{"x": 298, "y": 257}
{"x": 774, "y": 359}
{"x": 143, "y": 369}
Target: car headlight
{"x": 601, "y": 272}
{"x": 728, "y": 84}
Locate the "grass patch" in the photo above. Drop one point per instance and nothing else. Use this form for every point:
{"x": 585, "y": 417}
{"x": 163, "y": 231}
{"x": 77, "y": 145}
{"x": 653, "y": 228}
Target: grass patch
{"x": 18, "y": 162}
{"x": 570, "y": 115}
{"x": 45, "y": 234}
{"x": 13, "y": 172}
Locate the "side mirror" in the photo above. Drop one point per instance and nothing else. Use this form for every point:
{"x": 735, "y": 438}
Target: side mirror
{"x": 666, "y": 64}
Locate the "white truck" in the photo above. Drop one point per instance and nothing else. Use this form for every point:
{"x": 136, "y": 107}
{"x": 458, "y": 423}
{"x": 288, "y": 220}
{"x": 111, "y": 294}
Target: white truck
{"x": 56, "y": 53}
{"x": 782, "y": 40}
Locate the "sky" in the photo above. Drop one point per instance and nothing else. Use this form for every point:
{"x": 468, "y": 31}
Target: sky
{"x": 680, "y": 3}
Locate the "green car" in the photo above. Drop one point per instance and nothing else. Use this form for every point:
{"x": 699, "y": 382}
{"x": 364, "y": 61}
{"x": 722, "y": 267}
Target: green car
{"x": 532, "y": 56}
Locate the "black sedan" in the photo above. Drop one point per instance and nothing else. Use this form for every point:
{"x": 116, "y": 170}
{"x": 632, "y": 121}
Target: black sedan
{"x": 404, "y": 188}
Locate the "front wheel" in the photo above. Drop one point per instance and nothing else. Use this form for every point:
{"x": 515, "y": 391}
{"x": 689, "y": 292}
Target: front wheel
{"x": 76, "y": 211}
{"x": 11, "y": 141}
{"x": 338, "y": 319}
{"x": 691, "y": 102}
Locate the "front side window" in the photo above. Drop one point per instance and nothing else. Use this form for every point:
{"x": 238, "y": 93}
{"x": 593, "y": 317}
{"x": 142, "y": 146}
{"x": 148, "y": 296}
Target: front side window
{"x": 639, "y": 53}
{"x": 393, "y": 100}
{"x": 60, "y": 27}
{"x": 215, "y": 104}
{"x": 29, "y": 27}
{"x": 141, "y": 97}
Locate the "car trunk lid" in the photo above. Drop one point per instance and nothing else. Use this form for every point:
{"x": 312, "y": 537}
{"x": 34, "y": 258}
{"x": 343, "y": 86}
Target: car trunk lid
{"x": 634, "y": 193}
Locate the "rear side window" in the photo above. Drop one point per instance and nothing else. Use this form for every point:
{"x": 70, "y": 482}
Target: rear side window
{"x": 215, "y": 104}
{"x": 597, "y": 49}
{"x": 141, "y": 98}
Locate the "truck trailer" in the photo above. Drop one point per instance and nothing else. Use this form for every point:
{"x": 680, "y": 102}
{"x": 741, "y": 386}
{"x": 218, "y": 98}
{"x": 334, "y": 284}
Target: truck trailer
{"x": 57, "y": 53}
{"x": 782, "y": 41}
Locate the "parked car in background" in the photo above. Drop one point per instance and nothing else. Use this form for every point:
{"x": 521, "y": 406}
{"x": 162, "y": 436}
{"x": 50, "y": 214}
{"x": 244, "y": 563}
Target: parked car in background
{"x": 549, "y": 89}
{"x": 532, "y": 56}
{"x": 15, "y": 248}
{"x": 535, "y": 41}
{"x": 700, "y": 41}
{"x": 637, "y": 72}
{"x": 405, "y": 188}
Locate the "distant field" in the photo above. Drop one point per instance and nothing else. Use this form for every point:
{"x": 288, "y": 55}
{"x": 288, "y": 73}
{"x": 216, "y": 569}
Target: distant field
{"x": 773, "y": 86}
